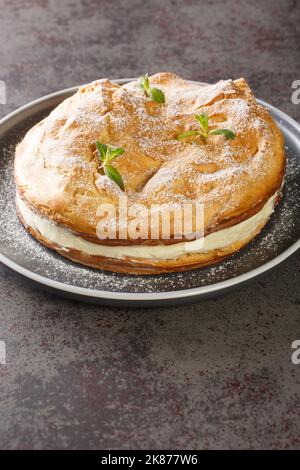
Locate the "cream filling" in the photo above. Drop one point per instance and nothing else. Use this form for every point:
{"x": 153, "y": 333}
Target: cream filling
{"x": 67, "y": 240}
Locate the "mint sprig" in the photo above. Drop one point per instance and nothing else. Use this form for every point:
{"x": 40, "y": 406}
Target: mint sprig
{"x": 155, "y": 94}
{"x": 106, "y": 154}
{"x": 144, "y": 84}
{"x": 229, "y": 134}
{"x": 204, "y": 131}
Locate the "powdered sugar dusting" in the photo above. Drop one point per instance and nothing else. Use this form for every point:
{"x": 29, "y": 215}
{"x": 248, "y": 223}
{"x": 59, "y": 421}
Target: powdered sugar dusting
{"x": 281, "y": 231}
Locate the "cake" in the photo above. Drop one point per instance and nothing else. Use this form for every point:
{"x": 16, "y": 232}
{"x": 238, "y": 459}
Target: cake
{"x": 161, "y": 141}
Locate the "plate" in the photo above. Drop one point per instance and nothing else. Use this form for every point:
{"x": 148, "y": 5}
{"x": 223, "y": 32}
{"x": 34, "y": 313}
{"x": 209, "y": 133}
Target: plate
{"x": 22, "y": 253}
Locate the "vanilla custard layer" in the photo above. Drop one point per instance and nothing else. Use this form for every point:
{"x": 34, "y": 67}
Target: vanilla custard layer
{"x": 221, "y": 239}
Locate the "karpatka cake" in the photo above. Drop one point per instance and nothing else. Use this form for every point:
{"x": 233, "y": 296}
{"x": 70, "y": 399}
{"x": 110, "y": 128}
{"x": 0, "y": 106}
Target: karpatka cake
{"x": 158, "y": 141}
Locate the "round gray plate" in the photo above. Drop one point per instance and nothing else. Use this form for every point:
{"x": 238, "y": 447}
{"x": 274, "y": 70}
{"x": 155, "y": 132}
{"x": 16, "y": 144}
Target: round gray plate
{"x": 22, "y": 253}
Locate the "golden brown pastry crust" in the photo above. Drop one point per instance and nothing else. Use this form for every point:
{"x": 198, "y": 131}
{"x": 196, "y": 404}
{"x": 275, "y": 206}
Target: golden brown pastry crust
{"x": 57, "y": 175}
{"x": 56, "y": 169}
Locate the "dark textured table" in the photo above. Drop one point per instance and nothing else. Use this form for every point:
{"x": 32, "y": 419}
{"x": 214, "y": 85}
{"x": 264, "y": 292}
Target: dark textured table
{"x": 217, "y": 374}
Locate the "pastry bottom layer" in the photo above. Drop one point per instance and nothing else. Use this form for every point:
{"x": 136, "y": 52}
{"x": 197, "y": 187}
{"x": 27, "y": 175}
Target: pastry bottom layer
{"x": 179, "y": 257}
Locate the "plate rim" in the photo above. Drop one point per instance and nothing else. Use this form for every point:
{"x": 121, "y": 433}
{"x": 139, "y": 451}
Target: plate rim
{"x": 86, "y": 292}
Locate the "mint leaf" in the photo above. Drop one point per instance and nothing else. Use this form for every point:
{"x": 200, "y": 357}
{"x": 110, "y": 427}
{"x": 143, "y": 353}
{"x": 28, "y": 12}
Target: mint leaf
{"x": 228, "y": 134}
{"x": 146, "y": 81}
{"x": 154, "y": 93}
{"x": 144, "y": 84}
{"x": 102, "y": 150}
{"x": 114, "y": 152}
{"x": 187, "y": 134}
{"x": 114, "y": 175}
{"x": 203, "y": 121}
{"x": 157, "y": 95}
